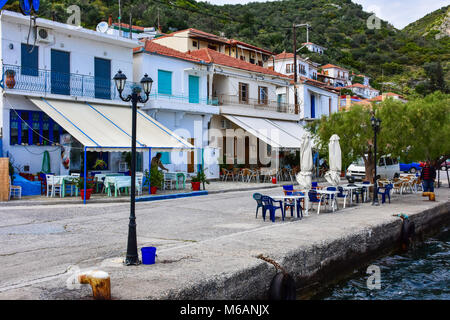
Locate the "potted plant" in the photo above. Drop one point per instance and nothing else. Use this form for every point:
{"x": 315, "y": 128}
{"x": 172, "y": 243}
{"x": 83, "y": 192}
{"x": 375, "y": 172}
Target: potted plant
{"x": 10, "y": 81}
{"x": 89, "y": 188}
{"x": 200, "y": 178}
{"x": 100, "y": 164}
{"x": 156, "y": 179}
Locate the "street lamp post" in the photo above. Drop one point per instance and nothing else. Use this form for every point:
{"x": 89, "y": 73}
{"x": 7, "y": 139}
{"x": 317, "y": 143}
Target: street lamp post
{"x": 376, "y": 128}
{"x": 135, "y": 97}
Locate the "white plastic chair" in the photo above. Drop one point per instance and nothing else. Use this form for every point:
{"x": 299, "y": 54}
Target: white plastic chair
{"x": 139, "y": 182}
{"x": 14, "y": 191}
{"x": 53, "y": 185}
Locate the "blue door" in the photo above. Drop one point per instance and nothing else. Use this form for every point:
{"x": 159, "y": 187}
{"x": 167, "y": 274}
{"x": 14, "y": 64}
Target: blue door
{"x": 194, "y": 89}
{"x": 102, "y": 72}
{"x": 60, "y": 66}
{"x": 313, "y": 106}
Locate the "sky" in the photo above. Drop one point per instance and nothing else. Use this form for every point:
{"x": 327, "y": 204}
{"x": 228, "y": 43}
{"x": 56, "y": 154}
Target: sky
{"x": 399, "y": 13}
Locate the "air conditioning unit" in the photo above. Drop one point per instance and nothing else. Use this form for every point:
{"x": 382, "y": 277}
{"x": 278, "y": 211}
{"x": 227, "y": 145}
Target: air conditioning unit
{"x": 44, "y": 35}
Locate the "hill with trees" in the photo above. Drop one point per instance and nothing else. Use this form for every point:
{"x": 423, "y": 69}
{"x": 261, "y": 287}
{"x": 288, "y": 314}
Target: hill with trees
{"x": 414, "y": 60}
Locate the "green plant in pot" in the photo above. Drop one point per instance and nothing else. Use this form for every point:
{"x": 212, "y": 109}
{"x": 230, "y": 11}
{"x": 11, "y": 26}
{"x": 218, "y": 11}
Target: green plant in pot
{"x": 100, "y": 164}
{"x": 200, "y": 178}
{"x": 156, "y": 179}
{"x": 89, "y": 187}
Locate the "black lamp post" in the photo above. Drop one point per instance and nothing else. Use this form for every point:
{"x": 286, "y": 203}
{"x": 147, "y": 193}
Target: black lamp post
{"x": 135, "y": 97}
{"x": 376, "y": 128}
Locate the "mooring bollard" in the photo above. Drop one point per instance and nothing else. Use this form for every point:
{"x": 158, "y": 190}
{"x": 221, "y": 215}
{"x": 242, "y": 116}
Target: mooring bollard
{"x": 100, "y": 283}
{"x": 431, "y": 196}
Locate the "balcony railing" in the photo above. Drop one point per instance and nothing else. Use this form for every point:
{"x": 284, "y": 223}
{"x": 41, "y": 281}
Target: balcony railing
{"x": 45, "y": 82}
{"x": 50, "y": 82}
{"x": 255, "y": 103}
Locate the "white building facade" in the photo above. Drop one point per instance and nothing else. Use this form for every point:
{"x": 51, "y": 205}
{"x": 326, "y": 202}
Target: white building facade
{"x": 179, "y": 100}
{"x": 64, "y": 63}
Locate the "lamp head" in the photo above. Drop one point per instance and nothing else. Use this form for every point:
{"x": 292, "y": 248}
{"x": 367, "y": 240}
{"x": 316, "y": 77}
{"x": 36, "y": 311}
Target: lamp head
{"x": 120, "y": 80}
{"x": 146, "y": 83}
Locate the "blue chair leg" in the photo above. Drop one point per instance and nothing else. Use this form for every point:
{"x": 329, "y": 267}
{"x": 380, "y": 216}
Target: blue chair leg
{"x": 257, "y": 208}
{"x": 272, "y": 214}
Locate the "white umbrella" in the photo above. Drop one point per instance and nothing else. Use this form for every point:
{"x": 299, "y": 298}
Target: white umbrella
{"x": 306, "y": 163}
{"x": 333, "y": 176}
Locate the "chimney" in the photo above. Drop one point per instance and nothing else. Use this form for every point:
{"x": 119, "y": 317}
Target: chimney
{"x": 110, "y": 20}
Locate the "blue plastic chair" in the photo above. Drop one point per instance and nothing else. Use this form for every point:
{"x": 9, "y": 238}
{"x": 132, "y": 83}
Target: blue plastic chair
{"x": 357, "y": 192}
{"x": 259, "y": 203}
{"x": 289, "y": 187}
{"x": 342, "y": 194}
{"x": 291, "y": 204}
{"x": 270, "y": 204}
{"x": 314, "y": 185}
{"x": 313, "y": 197}
{"x": 385, "y": 191}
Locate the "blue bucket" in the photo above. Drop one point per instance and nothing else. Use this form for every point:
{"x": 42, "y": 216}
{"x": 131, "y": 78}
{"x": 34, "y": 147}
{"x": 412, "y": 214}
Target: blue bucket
{"x": 148, "y": 255}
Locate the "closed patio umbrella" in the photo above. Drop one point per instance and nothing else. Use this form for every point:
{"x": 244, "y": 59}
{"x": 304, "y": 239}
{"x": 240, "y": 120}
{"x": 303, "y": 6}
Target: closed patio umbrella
{"x": 333, "y": 176}
{"x": 306, "y": 162}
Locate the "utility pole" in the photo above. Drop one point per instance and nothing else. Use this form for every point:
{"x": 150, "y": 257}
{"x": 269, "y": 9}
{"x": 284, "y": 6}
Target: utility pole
{"x": 295, "y": 69}
{"x": 120, "y": 22}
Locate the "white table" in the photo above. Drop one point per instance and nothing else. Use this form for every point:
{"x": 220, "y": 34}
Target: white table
{"x": 324, "y": 193}
{"x": 118, "y": 182}
{"x": 350, "y": 192}
{"x": 295, "y": 198}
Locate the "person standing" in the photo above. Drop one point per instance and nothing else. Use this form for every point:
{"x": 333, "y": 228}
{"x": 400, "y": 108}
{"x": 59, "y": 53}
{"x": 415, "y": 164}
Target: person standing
{"x": 427, "y": 176}
{"x": 156, "y": 162}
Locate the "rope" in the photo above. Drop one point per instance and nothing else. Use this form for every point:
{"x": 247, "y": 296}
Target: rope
{"x": 273, "y": 262}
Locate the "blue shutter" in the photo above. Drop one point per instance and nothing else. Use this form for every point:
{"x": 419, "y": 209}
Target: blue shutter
{"x": 194, "y": 89}
{"x": 60, "y": 77}
{"x": 164, "y": 82}
{"x": 30, "y": 60}
{"x": 102, "y": 78}
{"x": 165, "y": 157}
{"x": 313, "y": 106}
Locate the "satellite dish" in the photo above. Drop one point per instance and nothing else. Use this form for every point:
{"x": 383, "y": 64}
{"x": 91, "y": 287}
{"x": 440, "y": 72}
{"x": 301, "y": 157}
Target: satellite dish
{"x": 102, "y": 27}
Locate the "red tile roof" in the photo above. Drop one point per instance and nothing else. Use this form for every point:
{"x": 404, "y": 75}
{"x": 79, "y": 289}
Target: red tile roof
{"x": 284, "y": 55}
{"x": 329, "y": 66}
{"x": 209, "y": 55}
{"x": 233, "y": 42}
{"x": 359, "y": 85}
{"x": 127, "y": 26}
{"x": 153, "y": 47}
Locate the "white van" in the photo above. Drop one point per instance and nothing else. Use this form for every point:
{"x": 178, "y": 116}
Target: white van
{"x": 387, "y": 167}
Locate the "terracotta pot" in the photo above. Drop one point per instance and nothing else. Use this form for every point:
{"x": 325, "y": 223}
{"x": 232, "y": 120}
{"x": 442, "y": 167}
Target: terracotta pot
{"x": 88, "y": 194}
{"x": 153, "y": 190}
{"x": 195, "y": 186}
{"x": 274, "y": 180}
{"x": 10, "y": 81}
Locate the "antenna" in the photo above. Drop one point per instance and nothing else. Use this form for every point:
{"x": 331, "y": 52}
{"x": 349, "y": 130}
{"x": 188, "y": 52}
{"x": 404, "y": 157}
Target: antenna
{"x": 120, "y": 23}
{"x": 159, "y": 28}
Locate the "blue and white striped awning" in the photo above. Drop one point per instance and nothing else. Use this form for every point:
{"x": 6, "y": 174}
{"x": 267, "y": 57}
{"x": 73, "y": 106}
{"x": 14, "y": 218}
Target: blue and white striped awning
{"x": 108, "y": 128}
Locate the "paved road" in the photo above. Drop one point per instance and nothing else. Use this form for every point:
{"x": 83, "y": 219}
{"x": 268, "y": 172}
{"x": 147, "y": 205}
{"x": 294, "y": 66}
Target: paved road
{"x": 42, "y": 241}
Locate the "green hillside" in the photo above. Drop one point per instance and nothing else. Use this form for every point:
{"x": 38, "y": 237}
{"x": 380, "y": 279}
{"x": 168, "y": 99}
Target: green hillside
{"x": 404, "y": 61}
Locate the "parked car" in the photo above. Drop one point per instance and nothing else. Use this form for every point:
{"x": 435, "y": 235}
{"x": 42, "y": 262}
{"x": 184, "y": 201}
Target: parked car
{"x": 412, "y": 167}
{"x": 446, "y": 162}
{"x": 387, "y": 167}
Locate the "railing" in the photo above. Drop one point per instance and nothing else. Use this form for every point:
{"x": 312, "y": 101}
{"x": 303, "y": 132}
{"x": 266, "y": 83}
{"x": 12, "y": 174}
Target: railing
{"x": 50, "y": 82}
{"x": 255, "y": 103}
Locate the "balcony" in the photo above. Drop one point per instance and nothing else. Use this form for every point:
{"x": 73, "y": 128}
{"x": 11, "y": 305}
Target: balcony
{"x": 45, "y": 82}
{"x": 273, "y": 106}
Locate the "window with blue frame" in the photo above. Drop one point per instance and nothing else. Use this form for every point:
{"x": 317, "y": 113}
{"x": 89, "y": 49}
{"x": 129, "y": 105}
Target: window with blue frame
{"x": 30, "y": 60}
{"x": 33, "y": 128}
{"x": 164, "y": 82}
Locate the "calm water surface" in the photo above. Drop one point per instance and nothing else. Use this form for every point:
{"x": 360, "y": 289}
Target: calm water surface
{"x": 421, "y": 273}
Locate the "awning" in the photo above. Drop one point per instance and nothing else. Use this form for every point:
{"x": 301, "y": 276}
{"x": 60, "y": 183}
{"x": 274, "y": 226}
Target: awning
{"x": 277, "y": 133}
{"x": 108, "y": 128}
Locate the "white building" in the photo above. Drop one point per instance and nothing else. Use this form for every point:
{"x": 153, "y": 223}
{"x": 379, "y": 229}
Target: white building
{"x": 363, "y": 91}
{"x": 284, "y": 63}
{"x": 254, "y": 105}
{"x": 180, "y": 102}
{"x": 335, "y": 76}
{"x": 314, "y": 97}
{"x": 59, "y": 97}
{"x": 314, "y": 47}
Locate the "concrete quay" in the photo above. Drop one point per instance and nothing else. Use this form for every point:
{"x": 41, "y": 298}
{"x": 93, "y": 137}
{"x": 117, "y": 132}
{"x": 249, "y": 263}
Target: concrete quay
{"x": 207, "y": 246}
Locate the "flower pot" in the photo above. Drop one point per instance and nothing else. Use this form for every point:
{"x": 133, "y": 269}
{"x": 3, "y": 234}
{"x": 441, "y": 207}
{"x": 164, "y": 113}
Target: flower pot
{"x": 10, "y": 81}
{"x": 274, "y": 180}
{"x": 88, "y": 194}
{"x": 195, "y": 186}
{"x": 153, "y": 190}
